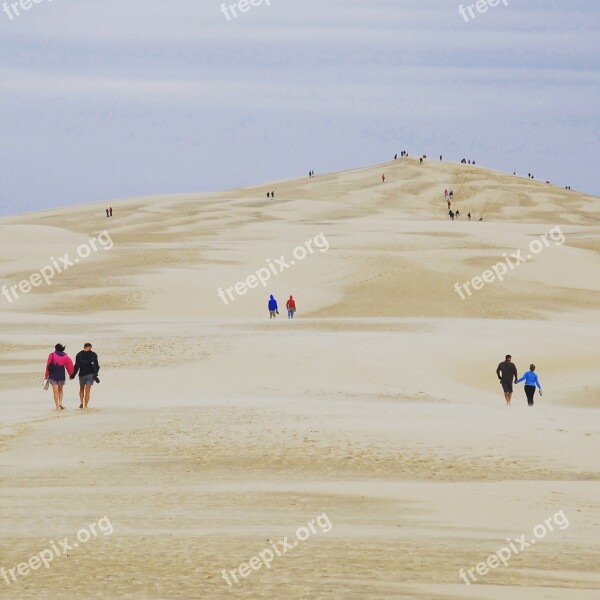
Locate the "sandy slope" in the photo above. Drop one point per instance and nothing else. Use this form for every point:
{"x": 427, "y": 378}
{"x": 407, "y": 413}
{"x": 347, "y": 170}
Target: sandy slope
{"x": 214, "y": 430}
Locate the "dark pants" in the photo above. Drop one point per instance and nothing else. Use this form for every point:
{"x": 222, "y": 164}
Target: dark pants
{"x": 530, "y": 391}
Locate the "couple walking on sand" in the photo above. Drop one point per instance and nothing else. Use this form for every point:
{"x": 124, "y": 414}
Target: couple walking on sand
{"x": 86, "y": 364}
{"x": 507, "y": 372}
{"x": 273, "y": 309}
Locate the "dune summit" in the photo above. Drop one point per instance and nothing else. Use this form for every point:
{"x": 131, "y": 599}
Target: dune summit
{"x": 216, "y": 433}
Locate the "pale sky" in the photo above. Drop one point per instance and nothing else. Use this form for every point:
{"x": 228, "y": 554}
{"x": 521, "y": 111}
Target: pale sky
{"x": 107, "y": 99}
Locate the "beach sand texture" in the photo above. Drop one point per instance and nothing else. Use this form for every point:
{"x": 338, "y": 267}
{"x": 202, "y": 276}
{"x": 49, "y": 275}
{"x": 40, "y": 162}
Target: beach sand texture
{"x": 215, "y": 432}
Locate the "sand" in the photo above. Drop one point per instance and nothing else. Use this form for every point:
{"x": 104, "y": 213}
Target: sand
{"x": 215, "y": 432}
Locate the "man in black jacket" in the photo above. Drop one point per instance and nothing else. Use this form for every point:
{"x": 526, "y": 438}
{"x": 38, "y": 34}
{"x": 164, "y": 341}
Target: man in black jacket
{"x": 507, "y": 374}
{"x": 87, "y": 365}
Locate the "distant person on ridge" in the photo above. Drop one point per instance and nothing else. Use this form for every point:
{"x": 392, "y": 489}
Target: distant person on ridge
{"x": 273, "y": 312}
{"x": 531, "y": 380}
{"x": 383, "y": 178}
{"x": 507, "y": 374}
{"x": 469, "y": 215}
{"x": 291, "y": 307}
{"x": 110, "y": 211}
{"x": 87, "y": 365}
{"x": 107, "y": 212}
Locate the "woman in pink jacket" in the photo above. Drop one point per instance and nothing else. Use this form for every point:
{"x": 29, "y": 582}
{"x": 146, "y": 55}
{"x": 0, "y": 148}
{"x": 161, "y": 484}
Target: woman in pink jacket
{"x": 56, "y": 364}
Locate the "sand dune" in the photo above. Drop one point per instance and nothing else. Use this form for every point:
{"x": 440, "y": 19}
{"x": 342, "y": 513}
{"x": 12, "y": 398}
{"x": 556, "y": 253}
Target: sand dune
{"x": 215, "y": 431}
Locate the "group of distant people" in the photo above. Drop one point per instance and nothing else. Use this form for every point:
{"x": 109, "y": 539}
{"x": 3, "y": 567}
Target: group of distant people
{"x": 455, "y": 215}
{"x": 464, "y": 161}
{"x": 86, "y": 364}
{"x": 109, "y": 211}
{"x": 507, "y": 375}
{"x": 311, "y": 173}
{"x": 530, "y": 176}
{"x": 449, "y": 195}
{"x": 271, "y": 194}
{"x": 290, "y": 305}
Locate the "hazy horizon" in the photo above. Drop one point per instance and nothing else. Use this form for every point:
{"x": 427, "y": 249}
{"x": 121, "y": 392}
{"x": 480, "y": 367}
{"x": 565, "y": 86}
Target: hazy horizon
{"x": 104, "y": 101}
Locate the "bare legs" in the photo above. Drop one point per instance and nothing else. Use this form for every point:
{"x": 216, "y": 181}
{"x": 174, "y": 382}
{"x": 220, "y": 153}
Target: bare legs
{"x": 508, "y": 397}
{"x": 84, "y": 395}
{"x": 57, "y": 390}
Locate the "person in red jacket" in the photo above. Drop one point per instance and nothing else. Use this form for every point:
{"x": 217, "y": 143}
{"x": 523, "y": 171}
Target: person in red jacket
{"x": 56, "y": 364}
{"x": 291, "y": 307}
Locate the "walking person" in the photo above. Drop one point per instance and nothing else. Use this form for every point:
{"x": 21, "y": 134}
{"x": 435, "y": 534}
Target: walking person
{"x": 291, "y": 307}
{"x": 531, "y": 381}
{"x": 56, "y": 364}
{"x": 87, "y": 365}
{"x": 110, "y": 211}
{"x": 107, "y": 212}
{"x": 273, "y": 312}
{"x": 507, "y": 374}
{"x": 383, "y": 178}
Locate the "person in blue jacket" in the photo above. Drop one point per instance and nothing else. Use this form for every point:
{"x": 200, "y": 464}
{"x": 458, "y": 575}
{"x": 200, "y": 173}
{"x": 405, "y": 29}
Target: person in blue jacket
{"x": 273, "y": 312}
{"x": 531, "y": 381}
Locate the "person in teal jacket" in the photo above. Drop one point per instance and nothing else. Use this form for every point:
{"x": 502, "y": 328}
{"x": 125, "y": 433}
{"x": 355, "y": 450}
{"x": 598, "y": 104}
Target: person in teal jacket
{"x": 531, "y": 381}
